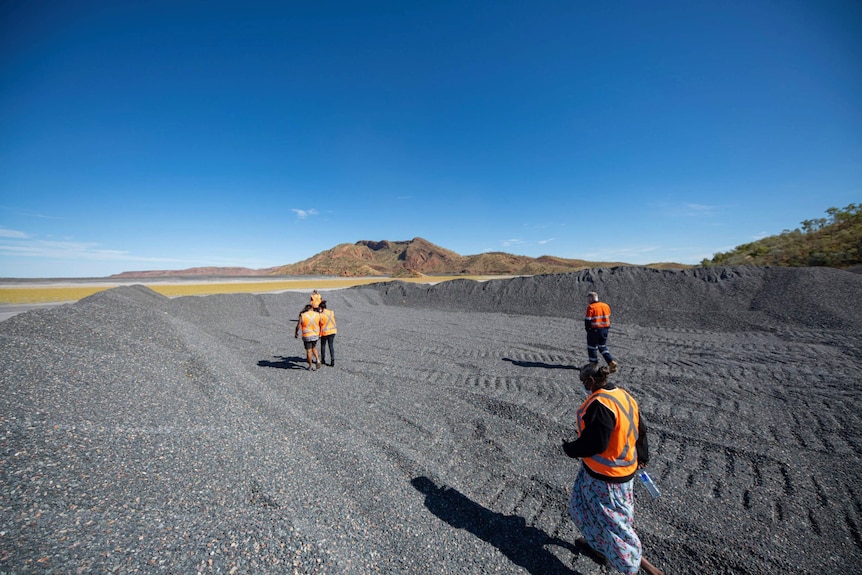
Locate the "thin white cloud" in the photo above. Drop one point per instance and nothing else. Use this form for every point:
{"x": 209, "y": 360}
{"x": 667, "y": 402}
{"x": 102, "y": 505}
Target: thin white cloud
{"x": 7, "y": 233}
{"x": 619, "y": 254}
{"x": 543, "y": 242}
{"x": 69, "y": 250}
{"x": 699, "y": 209}
{"x": 28, "y": 213}
{"x": 302, "y": 214}
{"x": 512, "y": 242}
{"x": 686, "y": 209}
{"x": 60, "y": 253}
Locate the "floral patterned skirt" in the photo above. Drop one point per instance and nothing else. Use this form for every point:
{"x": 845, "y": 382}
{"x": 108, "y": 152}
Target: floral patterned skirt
{"x": 604, "y": 514}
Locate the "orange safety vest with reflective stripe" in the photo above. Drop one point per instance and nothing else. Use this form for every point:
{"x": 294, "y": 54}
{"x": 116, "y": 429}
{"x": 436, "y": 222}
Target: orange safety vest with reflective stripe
{"x": 327, "y": 322}
{"x": 599, "y": 314}
{"x": 315, "y": 300}
{"x": 310, "y": 322}
{"x": 620, "y": 458}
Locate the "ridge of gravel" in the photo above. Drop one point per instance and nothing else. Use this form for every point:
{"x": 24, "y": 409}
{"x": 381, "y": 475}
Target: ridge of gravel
{"x": 142, "y": 434}
{"x": 723, "y": 298}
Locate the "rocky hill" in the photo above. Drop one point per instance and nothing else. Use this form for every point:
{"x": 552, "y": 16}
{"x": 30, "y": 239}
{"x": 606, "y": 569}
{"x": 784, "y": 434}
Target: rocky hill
{"x": 418, "y": 257}
{"x": 400, "y": 259}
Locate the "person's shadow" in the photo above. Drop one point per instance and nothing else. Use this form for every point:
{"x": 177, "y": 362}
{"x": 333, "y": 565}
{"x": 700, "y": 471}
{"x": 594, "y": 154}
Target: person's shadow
{"x": 281, "y": 362}
{"x": 522, "y": 544}
{"x": 521, "y": 363}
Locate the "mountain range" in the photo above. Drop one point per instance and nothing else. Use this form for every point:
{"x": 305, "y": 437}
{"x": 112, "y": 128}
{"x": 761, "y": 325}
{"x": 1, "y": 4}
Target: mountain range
{"x": 399, "y": 259}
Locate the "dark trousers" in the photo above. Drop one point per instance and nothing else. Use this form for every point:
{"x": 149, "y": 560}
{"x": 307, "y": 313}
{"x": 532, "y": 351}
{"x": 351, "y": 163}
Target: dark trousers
{"x": 597, "y": 343}
{"x": 330, "y": 341}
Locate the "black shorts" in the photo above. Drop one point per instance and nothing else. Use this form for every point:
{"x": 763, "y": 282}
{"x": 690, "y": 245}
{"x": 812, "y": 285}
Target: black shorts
{"x": 309, "y": 344}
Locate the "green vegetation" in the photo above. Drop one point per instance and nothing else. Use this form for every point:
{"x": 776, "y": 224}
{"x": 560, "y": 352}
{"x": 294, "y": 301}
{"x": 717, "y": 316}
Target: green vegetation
{"x": 835, "y": 242}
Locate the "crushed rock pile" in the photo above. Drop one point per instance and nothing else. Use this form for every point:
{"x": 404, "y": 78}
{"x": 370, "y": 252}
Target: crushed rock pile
{"x": 727, "y": 299}
{"x": 142, "y": 434}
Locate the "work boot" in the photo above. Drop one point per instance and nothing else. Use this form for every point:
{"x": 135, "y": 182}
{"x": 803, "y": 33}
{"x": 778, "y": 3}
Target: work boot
{"x": 612, "y": 366}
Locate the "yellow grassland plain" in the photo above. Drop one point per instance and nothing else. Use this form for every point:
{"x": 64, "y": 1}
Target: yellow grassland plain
{"x": 30, "y": 294}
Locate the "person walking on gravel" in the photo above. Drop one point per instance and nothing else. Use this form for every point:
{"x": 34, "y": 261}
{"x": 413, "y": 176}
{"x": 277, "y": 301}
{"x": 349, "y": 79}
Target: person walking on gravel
{"x": 309, "y": 323}
{"x": 597, "y": 322}
{"x": 327, "y": 333}
{"x": 315, "y": 300}
{"x": 612, "y": 445}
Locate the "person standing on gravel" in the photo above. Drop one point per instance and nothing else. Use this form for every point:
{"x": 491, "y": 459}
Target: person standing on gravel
{"x": 309, "y": 322}
{"x": 597, "y": 322}
{"x": 327, "y": 333}
{"x": 612, "y": 445}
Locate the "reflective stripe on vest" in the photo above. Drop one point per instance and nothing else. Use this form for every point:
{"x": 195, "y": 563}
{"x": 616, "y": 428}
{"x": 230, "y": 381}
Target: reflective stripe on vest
{"x": 327, "y": 322}
{"x": 621, "y": 457}
{"x": 599, "y": 314}
{"x": 310, "y": 321}
{"x": 315, "y": 300}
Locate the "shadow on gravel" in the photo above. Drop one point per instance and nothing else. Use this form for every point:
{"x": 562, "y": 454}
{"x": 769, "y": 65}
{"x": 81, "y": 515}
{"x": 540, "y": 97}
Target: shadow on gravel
{"x": 541, "y": 364}
{"x": 281, "y": 362}
{"x": 522, "y": 544}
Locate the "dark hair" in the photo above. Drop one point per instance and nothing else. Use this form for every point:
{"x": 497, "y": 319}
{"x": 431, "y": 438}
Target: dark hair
{"x": 322, "y": 305}
{"x": 593, "y": 370}
{"x": 306, "y": 308}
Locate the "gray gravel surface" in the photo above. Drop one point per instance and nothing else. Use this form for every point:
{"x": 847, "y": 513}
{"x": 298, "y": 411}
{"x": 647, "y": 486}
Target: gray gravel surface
{"x": 142, "y": 434}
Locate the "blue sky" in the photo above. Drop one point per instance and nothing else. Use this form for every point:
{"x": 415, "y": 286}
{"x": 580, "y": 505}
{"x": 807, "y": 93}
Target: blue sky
{"x": 174, "y": 134}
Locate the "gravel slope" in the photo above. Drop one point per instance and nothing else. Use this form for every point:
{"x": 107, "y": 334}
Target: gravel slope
{"x": 142, "y": 434}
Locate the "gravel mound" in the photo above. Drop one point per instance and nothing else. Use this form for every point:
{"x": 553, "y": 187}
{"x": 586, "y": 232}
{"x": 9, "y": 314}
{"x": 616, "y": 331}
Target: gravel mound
{"x": 725, "y": 299}
{"x": 142, "y": 434}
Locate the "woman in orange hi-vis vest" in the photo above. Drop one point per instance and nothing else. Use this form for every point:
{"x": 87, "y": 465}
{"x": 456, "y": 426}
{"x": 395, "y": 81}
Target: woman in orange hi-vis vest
{"x": 309, "y": 323}
{"x": 612, "y": 445}
{"x": 597, "y": 322}
{"x": 327, "y": 333}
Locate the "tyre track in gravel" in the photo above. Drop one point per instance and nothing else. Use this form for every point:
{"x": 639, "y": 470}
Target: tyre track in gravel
{"x": 748, "y": 421}
{"x": 705, "y": 404}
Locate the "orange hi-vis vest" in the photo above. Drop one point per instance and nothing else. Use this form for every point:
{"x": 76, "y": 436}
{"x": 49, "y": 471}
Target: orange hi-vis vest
{"x": 599, "y": 314}
{"x": 315, "y": 300}
{"x": 620, "y": 459}
{"x": 310, "y": 322}
{"x": 327, "y": 322}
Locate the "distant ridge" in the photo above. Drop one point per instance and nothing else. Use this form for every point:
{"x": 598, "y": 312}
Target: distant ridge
{"x": 399, "y": 259}
{"x": 194, "y": 272}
